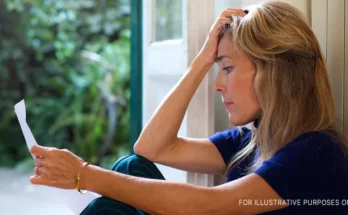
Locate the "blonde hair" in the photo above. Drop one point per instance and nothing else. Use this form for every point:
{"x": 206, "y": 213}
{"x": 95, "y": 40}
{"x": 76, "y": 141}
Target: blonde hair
{"x": 291, "y": 81}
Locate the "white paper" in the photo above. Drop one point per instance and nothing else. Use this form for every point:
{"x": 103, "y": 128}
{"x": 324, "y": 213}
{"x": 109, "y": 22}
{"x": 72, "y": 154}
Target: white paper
{"x": 21, "y": 115}
{"x": 73, "y": 200}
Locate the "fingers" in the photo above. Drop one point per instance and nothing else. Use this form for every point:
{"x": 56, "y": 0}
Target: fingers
{"x": 228, "y": 12}
{"x": 39, "y": 171}
{"x": 38, "y": 151}
{"x": 55, "y": 167}
{"x": 218, "y": 25}
{"x": 223, "y": 21}
{"x": 41, "y": 181}
{"x": 39, "y": 162}
{"x": 40, "y": 166}
{"x": 225, "y": 18}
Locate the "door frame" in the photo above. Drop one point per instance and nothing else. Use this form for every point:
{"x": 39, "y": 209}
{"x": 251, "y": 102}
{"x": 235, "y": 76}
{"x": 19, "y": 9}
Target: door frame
{"x": 136, "y": 72}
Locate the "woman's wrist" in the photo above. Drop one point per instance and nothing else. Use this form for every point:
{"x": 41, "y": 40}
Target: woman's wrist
{"x": 87, "y": 177}
{"x": 201, "y": 64}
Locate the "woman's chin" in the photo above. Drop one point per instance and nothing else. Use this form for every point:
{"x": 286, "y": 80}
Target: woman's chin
{"x": 234, "y": 121}
{"x": 237, "y": 121}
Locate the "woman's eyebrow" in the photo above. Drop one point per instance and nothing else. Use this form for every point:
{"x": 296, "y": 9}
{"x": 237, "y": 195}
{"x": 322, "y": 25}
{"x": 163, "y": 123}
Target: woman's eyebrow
{"x": 219, "y": 58}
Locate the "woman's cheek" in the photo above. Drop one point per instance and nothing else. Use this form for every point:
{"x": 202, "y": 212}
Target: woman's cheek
{"x": 234, "y": 87}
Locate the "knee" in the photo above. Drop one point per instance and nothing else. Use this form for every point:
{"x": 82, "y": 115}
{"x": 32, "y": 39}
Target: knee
{"x": 124, "y": 163}
{"x": 97, "y": 206}
{"x": 105, "y": 205}
{"x": 137, "y": 165}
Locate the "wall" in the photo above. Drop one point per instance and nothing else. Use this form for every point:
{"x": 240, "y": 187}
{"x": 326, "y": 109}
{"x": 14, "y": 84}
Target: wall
{"x": 328, "y": 22}
{"x": 303, "y": 5}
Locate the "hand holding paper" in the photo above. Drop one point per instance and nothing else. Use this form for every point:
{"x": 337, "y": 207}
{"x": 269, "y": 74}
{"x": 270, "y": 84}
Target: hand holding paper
{"x": 61, "y": 161}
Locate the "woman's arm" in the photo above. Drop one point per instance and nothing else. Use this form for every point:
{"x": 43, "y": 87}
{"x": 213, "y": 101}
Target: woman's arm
{"x": 162, "y": 129}
{"x": 163, "y": 197}
{"x": 58, "y": 168}
{"x": 170, "y": 113}
{"x": 159, "y": 142}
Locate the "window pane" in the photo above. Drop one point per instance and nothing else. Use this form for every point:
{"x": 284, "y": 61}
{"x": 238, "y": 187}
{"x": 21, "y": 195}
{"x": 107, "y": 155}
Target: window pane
{"x": 167, "y": 20}
{"x": 69, "y": 60}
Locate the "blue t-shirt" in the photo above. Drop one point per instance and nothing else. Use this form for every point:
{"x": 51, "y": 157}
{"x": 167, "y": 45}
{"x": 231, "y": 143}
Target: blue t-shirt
{"x": 310, "y": 172}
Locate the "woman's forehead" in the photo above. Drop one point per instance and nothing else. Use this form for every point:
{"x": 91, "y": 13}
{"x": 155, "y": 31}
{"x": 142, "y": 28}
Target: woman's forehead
{"x": 226, "y": 47}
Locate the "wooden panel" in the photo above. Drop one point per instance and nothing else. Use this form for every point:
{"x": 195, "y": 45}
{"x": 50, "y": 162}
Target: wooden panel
{"x": 335, "y": 54}
{"x": 303, "y": 5}
{"x": 319, "y": 22}
{"x": 200, "y": 113}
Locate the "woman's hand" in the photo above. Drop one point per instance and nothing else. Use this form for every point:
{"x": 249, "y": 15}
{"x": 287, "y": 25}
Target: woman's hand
{"x": 209, "y": 49}
{"x": 55, "y": 167}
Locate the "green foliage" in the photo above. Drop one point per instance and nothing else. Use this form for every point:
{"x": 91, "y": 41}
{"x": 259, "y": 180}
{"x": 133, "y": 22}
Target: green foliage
{"x": 69, "y": 59}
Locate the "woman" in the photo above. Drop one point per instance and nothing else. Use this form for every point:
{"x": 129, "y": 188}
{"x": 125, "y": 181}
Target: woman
{"x": 271, "y": 72}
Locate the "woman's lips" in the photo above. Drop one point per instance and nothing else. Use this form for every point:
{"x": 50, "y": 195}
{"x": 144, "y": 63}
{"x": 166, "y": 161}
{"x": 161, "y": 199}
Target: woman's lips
{"x": 228, "y": 104}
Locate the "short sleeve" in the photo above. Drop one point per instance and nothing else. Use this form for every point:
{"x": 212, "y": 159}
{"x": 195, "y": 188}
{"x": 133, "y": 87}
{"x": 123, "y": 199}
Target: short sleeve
{"x": 229, "y": 142}
{"x": 296, "y": 170}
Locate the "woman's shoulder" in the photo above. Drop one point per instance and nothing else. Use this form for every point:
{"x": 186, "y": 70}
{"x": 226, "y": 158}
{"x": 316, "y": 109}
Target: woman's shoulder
{"x": 236, "y": 131}
{"x": 230, "y": 141}
{"x": 234, "y": 134}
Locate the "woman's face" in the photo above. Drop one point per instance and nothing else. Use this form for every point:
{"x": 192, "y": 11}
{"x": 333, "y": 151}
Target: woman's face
{"x": 235, "y": 83}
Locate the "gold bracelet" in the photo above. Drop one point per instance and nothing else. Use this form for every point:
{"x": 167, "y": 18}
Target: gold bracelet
{"x": 78, "y": 178}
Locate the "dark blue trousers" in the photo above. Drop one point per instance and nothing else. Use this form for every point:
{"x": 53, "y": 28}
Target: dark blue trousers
{"x": 131, "y": 165}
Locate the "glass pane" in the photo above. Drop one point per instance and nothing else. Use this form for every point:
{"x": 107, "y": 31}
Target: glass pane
{"x": 167, "y": 20}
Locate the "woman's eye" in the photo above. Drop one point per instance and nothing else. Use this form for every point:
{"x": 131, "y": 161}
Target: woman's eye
{"x": 228, "y": 69}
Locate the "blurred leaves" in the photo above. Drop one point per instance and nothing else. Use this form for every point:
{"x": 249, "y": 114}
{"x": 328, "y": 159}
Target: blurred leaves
{"x": 69, "y": 59}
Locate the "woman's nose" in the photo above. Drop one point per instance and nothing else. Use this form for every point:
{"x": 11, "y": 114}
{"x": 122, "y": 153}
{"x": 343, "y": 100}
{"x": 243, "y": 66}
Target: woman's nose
{"x": 218, "y": 84}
